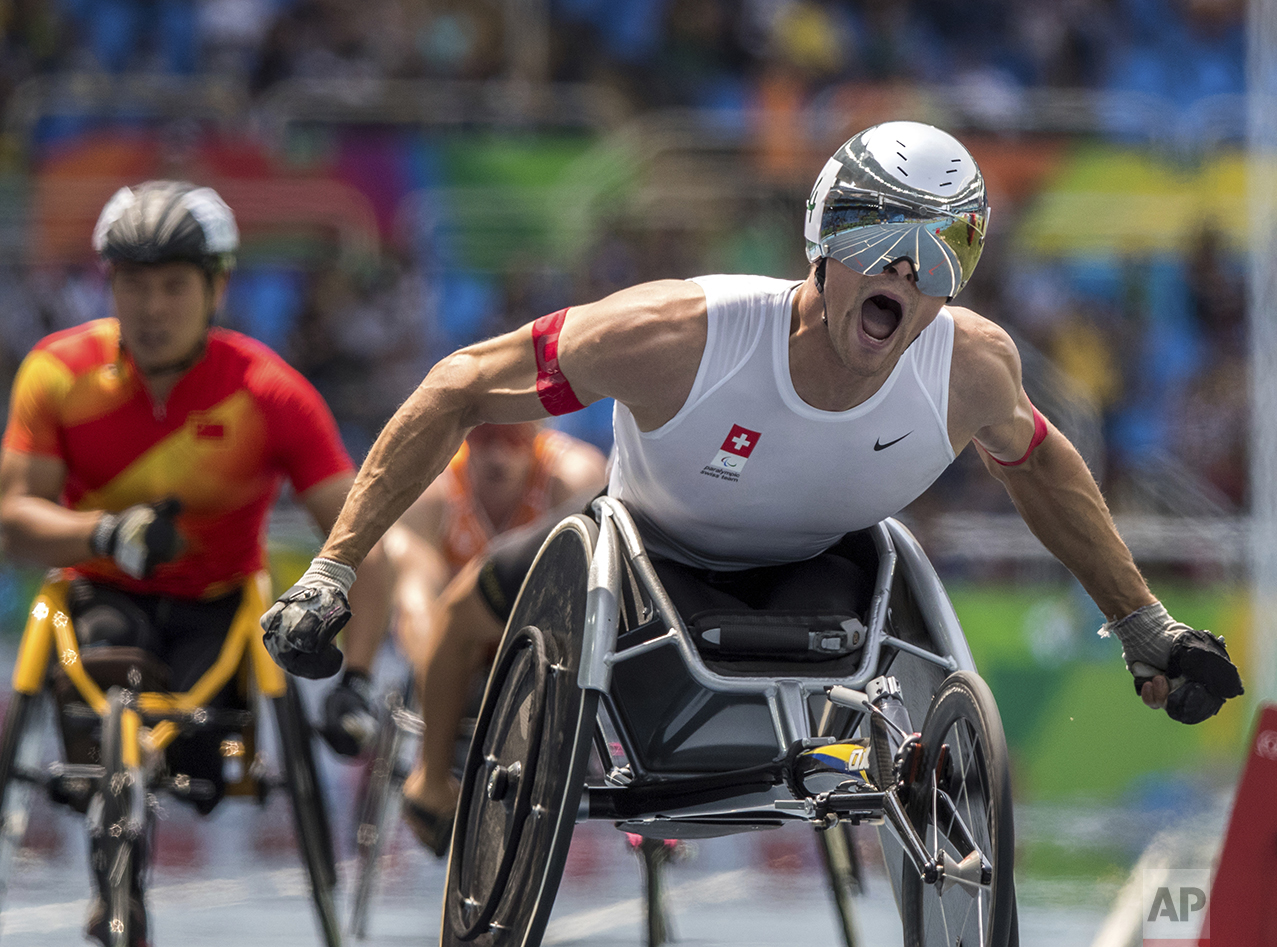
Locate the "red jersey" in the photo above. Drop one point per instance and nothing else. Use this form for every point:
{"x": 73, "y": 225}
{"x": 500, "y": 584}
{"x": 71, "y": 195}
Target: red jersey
{"x": 237, "y": 423}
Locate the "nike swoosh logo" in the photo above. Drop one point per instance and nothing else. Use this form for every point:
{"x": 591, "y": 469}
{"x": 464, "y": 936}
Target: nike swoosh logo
{"x": 878, "y": 445}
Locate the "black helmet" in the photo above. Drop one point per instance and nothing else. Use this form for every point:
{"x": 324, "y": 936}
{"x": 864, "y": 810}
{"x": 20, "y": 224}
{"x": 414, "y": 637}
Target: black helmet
{"x": 168, "y": 222}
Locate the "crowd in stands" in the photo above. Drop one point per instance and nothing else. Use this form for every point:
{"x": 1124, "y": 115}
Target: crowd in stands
{"x": 685, "y": 52}
{"x": 1155, "y": 344}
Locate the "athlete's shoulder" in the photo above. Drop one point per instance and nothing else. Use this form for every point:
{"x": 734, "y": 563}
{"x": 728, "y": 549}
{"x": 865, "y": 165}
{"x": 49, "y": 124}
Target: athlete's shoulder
{"x": 725, "y": 288}
{"x": 229, "y": 344}
{"x": 986, "y": 363}
{"x": 981, "y": 341}
{"x": 83, "y": 347}
{"x": 574, "y": 465}
{"x": 264, "y": 370}
{"x": 558, "y": 448}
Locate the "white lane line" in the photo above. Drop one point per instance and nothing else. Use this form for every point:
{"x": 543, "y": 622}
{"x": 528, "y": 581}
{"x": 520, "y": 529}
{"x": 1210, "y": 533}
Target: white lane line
{"x": 207, "y": 893}
{"x": 714, "y": 889}
{"x": 46, "y": 917}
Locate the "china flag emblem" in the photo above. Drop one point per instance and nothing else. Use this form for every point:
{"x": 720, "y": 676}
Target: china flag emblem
{"x": 731, "y": 457}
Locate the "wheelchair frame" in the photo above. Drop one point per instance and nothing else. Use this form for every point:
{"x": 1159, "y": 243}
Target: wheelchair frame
{"x": 786, "y": 697}
{"x": 664, "y": 803}
{"x": 139, "y": 725}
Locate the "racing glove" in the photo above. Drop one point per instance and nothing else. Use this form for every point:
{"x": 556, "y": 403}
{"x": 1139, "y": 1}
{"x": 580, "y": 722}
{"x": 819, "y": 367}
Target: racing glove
{"x": 302, "y": 623}
{"x": 349, "y": 722}
{"x": 140, "y": 537}
{"x": 1195, "y": 663}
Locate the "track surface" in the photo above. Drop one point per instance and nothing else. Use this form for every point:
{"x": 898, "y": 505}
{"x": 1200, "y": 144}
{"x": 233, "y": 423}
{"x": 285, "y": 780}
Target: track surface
{"x": 235, "y": 878}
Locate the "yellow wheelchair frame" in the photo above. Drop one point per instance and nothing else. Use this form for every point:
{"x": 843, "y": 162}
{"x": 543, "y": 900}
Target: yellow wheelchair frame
{"x": 138, "y": 727}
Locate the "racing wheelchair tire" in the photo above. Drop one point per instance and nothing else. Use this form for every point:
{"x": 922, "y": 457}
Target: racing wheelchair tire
{"x": 310, "y": 813}
{"x": 20, "y": 754}
{"x": 964, "y": 755}
{"x": 525, "y": 770}
{"x": 380, "y": 804}
{"x": 121, "y": 820}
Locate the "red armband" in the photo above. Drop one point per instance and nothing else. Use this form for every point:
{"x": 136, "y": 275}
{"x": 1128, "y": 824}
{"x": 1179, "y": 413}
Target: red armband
{"x": 556, "y": 394}
{"x": 1039, "y": 435}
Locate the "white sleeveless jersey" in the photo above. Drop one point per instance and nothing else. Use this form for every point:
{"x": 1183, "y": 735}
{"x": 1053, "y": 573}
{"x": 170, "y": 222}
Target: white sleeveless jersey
{"x": 749, "y": 474}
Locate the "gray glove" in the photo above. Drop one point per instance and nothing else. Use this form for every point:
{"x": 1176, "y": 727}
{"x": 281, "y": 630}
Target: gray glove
{"x": 302, "y": 623}
{"x": 1195, "y": 663}
{"x": 139, "y": 538}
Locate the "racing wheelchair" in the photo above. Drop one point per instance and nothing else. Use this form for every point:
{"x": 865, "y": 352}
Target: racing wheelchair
{"x": 731, "y": 722}
{"x": 114, "y": 704}
{"x": 394, "y": 745}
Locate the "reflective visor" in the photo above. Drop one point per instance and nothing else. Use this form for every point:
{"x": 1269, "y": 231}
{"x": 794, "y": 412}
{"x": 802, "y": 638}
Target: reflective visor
{"x": 866, "y": 233}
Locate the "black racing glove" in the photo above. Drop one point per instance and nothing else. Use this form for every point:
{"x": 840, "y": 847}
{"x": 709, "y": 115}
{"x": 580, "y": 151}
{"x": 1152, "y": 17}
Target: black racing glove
{"x": 1195, "y": 663}
{"x": 349, "y": 722}
{"x": 139, "y": 538}
{"x": 302, "y": 623}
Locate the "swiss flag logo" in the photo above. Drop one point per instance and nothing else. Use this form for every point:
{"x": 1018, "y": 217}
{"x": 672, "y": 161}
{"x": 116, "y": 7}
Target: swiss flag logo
{"x": 740, "y": 441}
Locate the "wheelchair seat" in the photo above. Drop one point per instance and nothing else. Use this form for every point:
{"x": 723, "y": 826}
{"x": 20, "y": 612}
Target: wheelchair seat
{"x": 748, "y": 642}
{"x": 135, "y": 669}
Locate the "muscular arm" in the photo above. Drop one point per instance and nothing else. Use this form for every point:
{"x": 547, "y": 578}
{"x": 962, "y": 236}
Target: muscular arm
{"x": 34, "y": 525}
{"x": 370, "y": 595}
{"x": 1057, "y": 497}
{"x": 1053, "y": 490}
{"x": 640, "y": 346}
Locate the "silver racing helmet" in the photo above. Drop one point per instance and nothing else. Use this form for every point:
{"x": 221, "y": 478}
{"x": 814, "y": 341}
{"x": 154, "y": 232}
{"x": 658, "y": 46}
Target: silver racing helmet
{"x": 901, "y": 190}
{"x": 165, "y": 222}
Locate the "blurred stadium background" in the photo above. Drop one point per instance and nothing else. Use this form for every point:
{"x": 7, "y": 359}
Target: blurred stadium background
{"x": 411, "y": 175}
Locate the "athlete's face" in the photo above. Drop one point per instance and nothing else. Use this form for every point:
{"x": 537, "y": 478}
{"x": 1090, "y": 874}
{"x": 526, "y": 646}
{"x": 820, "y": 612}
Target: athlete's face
{"x": 873, "y": 318}
{"x": 500, "y": 457}
{"x": 164, "y": 310}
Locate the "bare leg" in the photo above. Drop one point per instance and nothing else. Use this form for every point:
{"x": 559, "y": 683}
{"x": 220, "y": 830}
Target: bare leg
{"x": 461, "y": 636}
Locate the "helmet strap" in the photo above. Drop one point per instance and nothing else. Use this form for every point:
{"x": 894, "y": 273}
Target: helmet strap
{"x": 820, "y": 274}
{"x": 186, "y": 361}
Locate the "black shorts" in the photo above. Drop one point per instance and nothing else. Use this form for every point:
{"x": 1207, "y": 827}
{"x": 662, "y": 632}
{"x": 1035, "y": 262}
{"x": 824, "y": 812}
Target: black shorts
{"x": 832, "y": 582}
{"x": 186, "y": 635}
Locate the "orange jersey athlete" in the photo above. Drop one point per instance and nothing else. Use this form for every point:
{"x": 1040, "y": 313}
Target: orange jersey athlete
{"x": 464, "y": 524}
{"x": 503, "y": 477}
{"x": 234, "y": 425}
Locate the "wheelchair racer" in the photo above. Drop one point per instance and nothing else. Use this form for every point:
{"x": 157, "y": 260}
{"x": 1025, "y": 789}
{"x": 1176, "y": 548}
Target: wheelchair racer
{"x": 758, "y": 420}
{"x": 143, "y": 453}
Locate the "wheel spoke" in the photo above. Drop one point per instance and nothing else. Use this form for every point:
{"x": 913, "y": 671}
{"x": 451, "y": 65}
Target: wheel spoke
{"x": 973, "y": 778}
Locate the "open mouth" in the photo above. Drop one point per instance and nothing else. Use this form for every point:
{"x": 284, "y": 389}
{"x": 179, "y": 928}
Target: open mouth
{"x": 880, "y": 316}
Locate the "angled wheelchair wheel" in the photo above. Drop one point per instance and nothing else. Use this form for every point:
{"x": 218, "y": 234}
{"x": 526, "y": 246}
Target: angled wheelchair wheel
{"x": 119, "y": 824}
{"x": 310, "y": 814}
{"x": 523, "y": 776}
{"x": 964, "y": 798}
{"x": 842, "y": 867}
{"x": 21, "y": 755}
{"x": 380, "y": 804}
